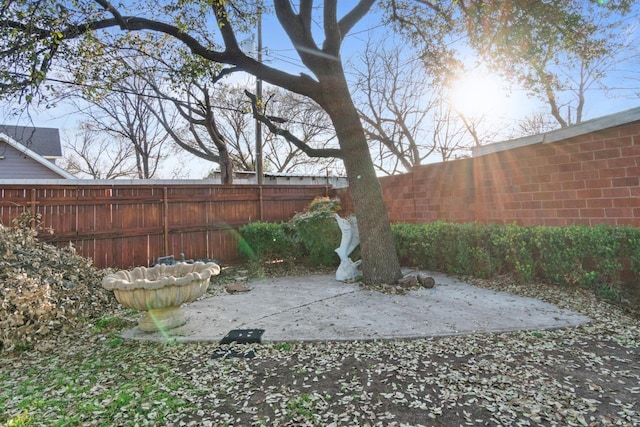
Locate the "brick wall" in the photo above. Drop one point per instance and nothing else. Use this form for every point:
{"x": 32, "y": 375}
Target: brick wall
{"x": 588, "y": 179}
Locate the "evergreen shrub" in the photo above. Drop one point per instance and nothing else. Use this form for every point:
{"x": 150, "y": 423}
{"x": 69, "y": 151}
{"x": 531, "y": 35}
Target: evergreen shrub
{"x": 266, "y": 241}
{"x": 310, "y": 237}
{"x": 593, "y": 257}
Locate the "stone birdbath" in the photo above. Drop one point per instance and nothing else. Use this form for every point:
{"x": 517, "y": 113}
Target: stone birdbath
{"x": 160, "y": 291}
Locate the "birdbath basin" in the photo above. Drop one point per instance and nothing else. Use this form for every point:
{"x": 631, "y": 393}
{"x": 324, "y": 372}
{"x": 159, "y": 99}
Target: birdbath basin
{"x": 160, "y": 291}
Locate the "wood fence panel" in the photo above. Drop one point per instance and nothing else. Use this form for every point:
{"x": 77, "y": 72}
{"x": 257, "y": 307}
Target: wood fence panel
{"x": 123, "y": 225}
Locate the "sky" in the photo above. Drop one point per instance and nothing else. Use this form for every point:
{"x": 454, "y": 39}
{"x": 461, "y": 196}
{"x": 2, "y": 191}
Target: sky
{"x": 477, "y": 92}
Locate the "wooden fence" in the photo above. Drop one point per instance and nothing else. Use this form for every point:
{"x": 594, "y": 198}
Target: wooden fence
{"x": 126, "y": 225}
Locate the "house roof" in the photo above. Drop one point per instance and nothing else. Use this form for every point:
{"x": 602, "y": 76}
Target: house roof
{"x": 594, "y": 125}
{"x": 35, "y": 156}
{"x": 44, "y": 141}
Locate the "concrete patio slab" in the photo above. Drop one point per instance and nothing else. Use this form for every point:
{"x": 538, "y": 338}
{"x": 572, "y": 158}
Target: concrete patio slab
{"x": 319, "y": 308}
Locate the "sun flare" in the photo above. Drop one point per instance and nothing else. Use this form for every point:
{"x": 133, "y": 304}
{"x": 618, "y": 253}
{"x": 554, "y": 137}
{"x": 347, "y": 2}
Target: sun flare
{"x": 479, "y": 93}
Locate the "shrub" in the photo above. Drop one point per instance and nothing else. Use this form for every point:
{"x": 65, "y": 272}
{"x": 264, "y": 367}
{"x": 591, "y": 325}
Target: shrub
{"x": 261, "y": 241}
{"x": 573, "y": 255}
{"x": 310, "y": 237}
{"x": 317, "y": 231}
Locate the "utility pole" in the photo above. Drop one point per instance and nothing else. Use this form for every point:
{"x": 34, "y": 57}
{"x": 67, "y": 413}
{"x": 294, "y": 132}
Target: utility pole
{"x": 259, "y": 171}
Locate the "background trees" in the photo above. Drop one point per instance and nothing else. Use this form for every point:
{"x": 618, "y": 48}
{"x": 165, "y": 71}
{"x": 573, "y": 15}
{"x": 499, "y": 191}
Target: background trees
{"x": 557, "y": 51}
{"x": 95, "y": 155}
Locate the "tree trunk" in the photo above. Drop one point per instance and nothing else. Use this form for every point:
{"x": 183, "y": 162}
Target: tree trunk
{"x": 379, "y": 256}
{"x": 226, "y": 166}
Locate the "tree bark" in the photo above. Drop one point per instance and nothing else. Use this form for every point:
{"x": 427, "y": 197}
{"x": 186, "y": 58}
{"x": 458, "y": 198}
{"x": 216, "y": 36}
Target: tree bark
{"x": 380, "y": 263}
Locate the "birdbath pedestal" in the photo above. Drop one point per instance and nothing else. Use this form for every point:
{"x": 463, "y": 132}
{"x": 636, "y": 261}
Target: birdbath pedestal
{"x": 160, "y": 291}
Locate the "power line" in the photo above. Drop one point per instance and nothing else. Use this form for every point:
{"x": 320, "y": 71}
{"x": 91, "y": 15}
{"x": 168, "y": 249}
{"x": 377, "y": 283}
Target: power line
{"x": 159, "y": 97}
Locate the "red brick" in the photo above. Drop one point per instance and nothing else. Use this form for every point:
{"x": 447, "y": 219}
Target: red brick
{"x": 565, "y": 195}
{"x": 599, "y": 203}
{"x": 606, "y": 133}
{"x": 598, "y": 183}
{"x": 559, "y": 159}
{"x": 543, "y": 195}
{"x": 569, "y": 146}
{"x": 592, "y": 213}
{"x": 629, "y": 130}
{"x": 546, "y": 169}
{"x": 534, "y": 162}
{"x": 585, "y": 173}
{"x": 631, "y": 181}
{"x": 556, "y": 222}
{"x": 633, "y": 171}
{"x": 573, "y": 185}
{"x": 618, "y": 212}
{"x": 616, "y": 192}
{"x": 592, "y": 193}
{"x": 631, "y": 202}
{"x": 526, "y": 213}
{"x": 622, "y": 162}
{"x": 519, "y": 179}
{"x": 610, "y": 153}
{"x": 554, "y": 204}
{"x": 620, "y": 141}
{"x": 562, "y": 176}
{"x": 578, "y": 140}
{"x": 547, "y": 150}
{"x": 633, "y": 222}
{"x": 631, "y": 151}
{"x": 551, "y": 186}
{"x": 591, "y": 146}
{"x": 569, "y": 167}
{"x": 533, "y": 204}
{"x": 613, "y": 173}
{"x": 575, "y": 203}
{"x": 530, "y": 187}
{"x": 581, "y": 157}
{"x": 569, "y": 213}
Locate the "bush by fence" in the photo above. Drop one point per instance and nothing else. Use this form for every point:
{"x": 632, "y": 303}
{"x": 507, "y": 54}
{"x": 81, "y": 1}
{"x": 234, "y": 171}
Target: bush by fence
{"x": 603, "y": 258}
{"x": 310, "y": 237}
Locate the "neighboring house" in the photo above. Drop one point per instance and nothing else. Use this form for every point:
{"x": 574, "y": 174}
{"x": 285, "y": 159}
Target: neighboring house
{"x": 30, "y": 153}
{"x": 249, "y": 177}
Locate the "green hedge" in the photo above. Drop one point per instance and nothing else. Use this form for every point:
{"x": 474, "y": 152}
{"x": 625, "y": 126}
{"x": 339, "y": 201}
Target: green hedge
{"x": 310, "y": 237}
{"x": 574, "y": 255}
{"x": 262, "y": 241}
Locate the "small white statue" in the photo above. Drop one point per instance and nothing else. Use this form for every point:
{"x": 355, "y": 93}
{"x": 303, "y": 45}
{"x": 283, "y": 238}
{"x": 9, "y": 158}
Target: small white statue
{"x": 348, "y": 269}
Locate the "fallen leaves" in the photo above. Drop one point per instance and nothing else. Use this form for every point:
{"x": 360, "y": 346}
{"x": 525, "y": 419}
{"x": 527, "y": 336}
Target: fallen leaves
{"x": 585, "y": 376}
{"x": 44, "y": 290}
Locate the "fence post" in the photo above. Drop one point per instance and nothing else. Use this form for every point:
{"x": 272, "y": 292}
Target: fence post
{"x": 260, "y": 207}
{"x": 32, "y": 208}
{"x": 165, "y": 221}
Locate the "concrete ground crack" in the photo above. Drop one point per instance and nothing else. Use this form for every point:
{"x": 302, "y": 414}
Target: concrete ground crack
{"x": 298, "y": 307}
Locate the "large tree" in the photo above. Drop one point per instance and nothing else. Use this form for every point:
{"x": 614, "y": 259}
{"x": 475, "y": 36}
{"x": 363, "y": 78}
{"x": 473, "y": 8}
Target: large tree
{"x": 36, "y": 34}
